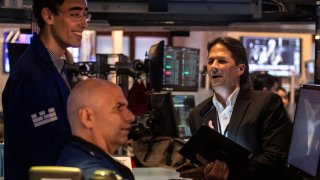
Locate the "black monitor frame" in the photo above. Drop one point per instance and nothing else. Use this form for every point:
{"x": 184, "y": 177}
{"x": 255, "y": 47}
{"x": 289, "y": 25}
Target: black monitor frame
{"x": 156, "y": 66}
{"x": 165, "y": 118}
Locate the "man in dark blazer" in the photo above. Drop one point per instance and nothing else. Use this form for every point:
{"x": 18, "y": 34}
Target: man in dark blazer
{"x": 254, "y": 119}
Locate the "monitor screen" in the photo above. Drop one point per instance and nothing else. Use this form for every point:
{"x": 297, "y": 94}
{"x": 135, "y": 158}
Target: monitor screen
{"x": 181, "y": 68}
{"x": 174, "y": 68}
{"x": 304, "y": 150}
{"x": 183, "y": 104}
{"x": 165, "y": 117}
{"x": 278, "y": 55}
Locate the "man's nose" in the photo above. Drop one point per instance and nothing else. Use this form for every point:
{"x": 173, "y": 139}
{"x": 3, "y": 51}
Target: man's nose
{"x": 84, "y": 23}
{"x": 129, "y": 116}
{"x": 214, "y": 64}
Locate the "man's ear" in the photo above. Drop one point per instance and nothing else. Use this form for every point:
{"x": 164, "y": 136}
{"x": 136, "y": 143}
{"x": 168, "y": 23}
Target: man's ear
{"x": 47, "y": 16}
{"x": 86, "y": 117}
{"x": 241, "y": 68}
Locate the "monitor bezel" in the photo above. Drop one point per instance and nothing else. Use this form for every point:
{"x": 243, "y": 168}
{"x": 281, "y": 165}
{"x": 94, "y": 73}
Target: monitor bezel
{"x": 293, "y": 169}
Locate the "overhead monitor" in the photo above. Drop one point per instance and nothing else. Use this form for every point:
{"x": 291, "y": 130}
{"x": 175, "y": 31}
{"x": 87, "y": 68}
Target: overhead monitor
{"x": 181, "y": 68}
{"x": 280, "y": 56}
{"x": 174, "y": 68}
{"x": 304, "y": 150}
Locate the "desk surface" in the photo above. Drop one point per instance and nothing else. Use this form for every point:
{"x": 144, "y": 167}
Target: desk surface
{"x": 156, "y": 173}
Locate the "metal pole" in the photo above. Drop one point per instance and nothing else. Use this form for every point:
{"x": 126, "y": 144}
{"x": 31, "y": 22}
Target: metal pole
{"x": 317, "y": 45}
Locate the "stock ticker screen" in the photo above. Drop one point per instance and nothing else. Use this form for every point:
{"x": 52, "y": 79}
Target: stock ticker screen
{"x": 181, "y": 68}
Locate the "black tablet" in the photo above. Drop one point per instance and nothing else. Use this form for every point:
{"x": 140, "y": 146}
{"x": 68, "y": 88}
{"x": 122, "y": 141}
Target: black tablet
{"x": 213, "y": 145}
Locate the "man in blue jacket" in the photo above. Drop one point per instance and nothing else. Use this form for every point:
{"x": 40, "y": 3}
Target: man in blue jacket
{"x": 100, "y": 121}
{"x": 34, "y": 99}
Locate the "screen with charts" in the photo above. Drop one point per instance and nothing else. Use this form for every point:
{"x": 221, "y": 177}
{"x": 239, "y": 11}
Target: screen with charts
{"x": 183, "y": 104}
{"x": 180, "y": 68}
{"x": 304, "y": 151}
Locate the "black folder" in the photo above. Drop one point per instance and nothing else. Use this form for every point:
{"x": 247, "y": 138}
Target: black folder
{"x": 213, "y": 145}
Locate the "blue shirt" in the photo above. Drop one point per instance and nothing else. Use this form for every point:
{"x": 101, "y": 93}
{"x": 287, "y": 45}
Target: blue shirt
{"x": 89, "y": 157}
{"x": 35, "y": 117}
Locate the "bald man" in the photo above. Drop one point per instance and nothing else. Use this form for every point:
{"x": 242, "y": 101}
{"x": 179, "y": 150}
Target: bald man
{"x": 100, "y": 122}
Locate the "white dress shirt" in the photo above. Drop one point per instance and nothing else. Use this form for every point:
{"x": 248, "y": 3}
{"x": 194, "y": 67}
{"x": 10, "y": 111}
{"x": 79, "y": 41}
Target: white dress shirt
{"x": 224, "y": 113}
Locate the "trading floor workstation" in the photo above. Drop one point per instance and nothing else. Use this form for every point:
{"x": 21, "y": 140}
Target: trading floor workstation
{"x": 169, "y": 79}
{"x": 172, "y": 78}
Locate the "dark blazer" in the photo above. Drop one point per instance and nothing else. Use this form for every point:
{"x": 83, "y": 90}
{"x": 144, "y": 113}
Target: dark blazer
{"x": 259, "y": 122}
{"x": 34, "y": 103}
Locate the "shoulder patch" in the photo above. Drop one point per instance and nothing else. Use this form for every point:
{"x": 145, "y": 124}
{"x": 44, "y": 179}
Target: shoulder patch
{"x": 42, "y": 117}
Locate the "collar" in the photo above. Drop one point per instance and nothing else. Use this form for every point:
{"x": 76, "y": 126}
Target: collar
{"x": 57, "y": 60}
{"x": 230, "y": 100}
{"x": 90, "y": 145}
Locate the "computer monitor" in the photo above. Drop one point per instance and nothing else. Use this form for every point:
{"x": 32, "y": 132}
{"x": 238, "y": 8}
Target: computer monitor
{"x": 181, "y": 68}
{"x": 174, "y": 68}
{"x": 183, "y": 104}
{"x": 280, "y": 56}
{"x": 304, "y": 151}
{"x": 165, "y": 117}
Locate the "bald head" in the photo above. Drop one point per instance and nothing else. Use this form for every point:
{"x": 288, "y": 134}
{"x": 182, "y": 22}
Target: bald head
{"x": 98, "y": 113}
{"x": 89, "y": 93}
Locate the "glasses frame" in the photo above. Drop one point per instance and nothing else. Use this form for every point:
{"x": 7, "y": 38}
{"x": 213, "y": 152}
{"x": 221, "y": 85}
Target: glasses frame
{"x": 77, "y": 16}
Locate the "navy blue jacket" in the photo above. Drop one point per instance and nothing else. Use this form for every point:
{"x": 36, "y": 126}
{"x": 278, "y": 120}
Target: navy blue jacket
{"x": 35, "y": 118}
{"x": 89, "y": 157}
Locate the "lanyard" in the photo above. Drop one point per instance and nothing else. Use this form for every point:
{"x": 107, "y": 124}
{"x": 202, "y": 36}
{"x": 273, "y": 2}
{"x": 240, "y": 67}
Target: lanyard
{"x": 225, "y": 133}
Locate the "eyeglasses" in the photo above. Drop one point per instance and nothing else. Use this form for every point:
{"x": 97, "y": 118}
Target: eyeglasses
{"x": 77, "y": 16}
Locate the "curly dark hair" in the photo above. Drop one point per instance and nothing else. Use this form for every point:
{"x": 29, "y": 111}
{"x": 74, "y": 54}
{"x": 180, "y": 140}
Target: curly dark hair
{"x": 238, "y": 53}
{"x": 38, "y": 5}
